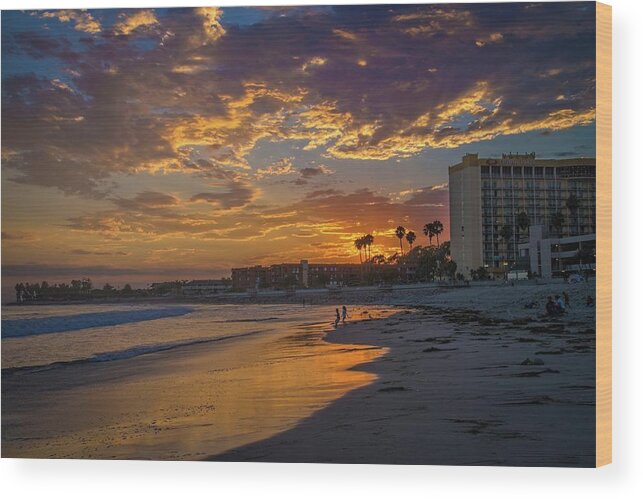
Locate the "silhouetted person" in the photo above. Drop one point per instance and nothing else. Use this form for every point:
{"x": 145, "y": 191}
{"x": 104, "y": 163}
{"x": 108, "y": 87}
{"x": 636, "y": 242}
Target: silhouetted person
{"x": 344, "y": 314}
{"x": 550, "y": 306}
{"x": 337, "y": 318}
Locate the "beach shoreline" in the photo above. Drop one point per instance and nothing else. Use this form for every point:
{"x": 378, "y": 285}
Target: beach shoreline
{"x": 441, "y": 373}
{"x": 464, "y": 382}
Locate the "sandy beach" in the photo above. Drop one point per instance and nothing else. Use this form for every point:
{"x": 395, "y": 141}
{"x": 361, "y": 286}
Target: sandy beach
{"x": 463, "y": 376}
{"x": 469, "y": 378}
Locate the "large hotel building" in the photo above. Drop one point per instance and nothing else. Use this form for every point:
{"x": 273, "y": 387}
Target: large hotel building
{"x": 487, "y": 196}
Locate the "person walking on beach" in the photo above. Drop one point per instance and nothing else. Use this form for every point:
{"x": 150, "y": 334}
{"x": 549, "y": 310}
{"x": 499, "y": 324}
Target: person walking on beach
{"x": 337, "y": 318}
{"x": 566, "y": 298}
{"x": 344, "y": 314}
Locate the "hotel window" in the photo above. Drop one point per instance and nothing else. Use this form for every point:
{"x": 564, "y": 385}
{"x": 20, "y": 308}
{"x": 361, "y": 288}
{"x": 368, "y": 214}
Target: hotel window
{"x": 538, "y": 171}
{"x": 484, "y": 170}
{"x": 517, "y": 171}
{"x": 549, "y": 172}
{"x": 527, "y": 171}
{"x": 495, "y": 170}
{"x": 506, "y": 171}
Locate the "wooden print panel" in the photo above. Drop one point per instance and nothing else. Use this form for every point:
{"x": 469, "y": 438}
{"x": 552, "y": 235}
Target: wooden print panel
{"x": 603, "y": 234}
{"x": 296, "y": 236}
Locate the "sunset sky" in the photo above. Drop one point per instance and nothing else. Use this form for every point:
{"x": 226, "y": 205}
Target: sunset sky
{"x": 140, "y": 145}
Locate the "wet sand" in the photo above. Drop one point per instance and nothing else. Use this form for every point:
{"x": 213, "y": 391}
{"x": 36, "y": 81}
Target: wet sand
{"x": 456, "y": 388}
{"x": 185, "y": 403}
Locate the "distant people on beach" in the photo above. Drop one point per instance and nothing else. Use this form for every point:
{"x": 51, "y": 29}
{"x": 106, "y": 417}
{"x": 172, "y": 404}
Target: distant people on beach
{"x": 560, "y": 303}
{"x": 344, "y": 314}
{"x": 566, "y": 298}
{"x": 337, "y": 318}
{"x": 554, "y": 307}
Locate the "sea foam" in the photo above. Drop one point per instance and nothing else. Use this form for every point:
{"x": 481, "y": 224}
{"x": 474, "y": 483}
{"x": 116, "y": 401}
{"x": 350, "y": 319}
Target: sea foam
{"x": 18, "y": 328}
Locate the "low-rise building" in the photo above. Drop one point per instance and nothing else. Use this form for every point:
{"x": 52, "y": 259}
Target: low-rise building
{"x": 310, "y": 275}
{"x": 206, "y": 286}
{"x": 549, "y": 256}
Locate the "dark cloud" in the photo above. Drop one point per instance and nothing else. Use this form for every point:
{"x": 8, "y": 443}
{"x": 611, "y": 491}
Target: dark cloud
{"x": 84, "y": 252}
{"x": 356, "y": 82}
{"x": 436, "y": 195}
{"x": 17, "y": 236}
{"x": 238, "y": 194}
{"x": 323, "y": 193}
{"x": 313, "y": 171}
{"x": 147, "y": 199}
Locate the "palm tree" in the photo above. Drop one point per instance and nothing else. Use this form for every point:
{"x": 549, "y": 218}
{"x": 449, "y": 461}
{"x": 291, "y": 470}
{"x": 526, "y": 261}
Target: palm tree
{"x": 359, "y": 244}
{"x": 410, "y": 238}
{"x": 507, "y": 233}
{"x": 379, "y": 259}
{"x": 438, "y": 228}
{"x": 429, "y": 231}
{"x": 585, "y": 256}
{"x": 522, "y": 221}
{"x": 368, "y": 242}
{"x": 20, "y": 289}
{"x": 572, "y": 205}
{"x": 557, "y": 220}
{"x": 400, "y": 232}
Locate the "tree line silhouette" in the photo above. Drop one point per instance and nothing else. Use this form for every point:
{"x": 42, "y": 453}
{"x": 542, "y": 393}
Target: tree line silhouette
{"x": 77, "y": 289}
{"x": 419, "y": 263}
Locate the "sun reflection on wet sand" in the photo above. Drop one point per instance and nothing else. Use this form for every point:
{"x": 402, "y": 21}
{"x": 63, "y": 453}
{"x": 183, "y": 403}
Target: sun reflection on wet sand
{"x": 189, "y": 403}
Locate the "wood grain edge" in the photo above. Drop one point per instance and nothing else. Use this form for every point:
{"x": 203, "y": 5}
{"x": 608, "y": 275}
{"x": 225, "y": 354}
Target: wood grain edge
{"x": 603, "y": 234}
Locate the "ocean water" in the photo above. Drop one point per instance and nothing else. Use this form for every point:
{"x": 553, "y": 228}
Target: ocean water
{"x": 49, "y": 336}
{"x": 167, "y": 381}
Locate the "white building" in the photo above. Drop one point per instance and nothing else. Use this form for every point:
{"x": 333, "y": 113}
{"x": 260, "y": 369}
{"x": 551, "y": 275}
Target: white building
{"x": 548, "y": 256}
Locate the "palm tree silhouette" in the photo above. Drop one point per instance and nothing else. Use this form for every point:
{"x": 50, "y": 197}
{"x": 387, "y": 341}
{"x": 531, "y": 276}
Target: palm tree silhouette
{"x": 438, "y": 228}
{"x": 400, "y": 232}
{"x": 411, "y": 237}
{"x": 359, "y": 244}
{"x": 557, "y": 221}
{"x": 522, "y": 221}
{"x": 429, "y": 231}
{"x": 368, "y": 242}
{"x": 572, "y": 205}
{"x": 507, "y": 233}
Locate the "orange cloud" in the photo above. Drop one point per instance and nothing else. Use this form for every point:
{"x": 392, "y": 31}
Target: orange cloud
{"x": 82, "y": 20}
{"x": 142, "y": 19}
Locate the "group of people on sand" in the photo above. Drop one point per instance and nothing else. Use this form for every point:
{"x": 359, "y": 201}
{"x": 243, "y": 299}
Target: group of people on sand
{"x": 556, "y": 305}
{"x": 343, "y": 317}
